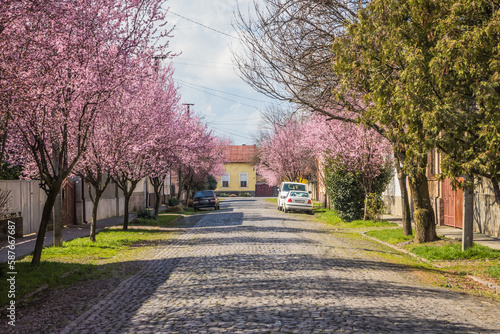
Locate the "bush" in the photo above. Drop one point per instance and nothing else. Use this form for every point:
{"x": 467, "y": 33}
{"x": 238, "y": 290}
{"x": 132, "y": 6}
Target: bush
{"x": 173, "y": 201}
{"x": 211, "y": 183}
{"x": 346, "y": 194}
{"x": 245, "y": 195}
{"x": 375, "y": 207}
{"x": 223, "y": 195}
{"x": 381, "y": 181}
{"x": 146, "y": 213}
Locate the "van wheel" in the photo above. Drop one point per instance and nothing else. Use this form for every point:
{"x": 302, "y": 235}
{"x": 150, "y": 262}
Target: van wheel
{"x": 285, "y": 210}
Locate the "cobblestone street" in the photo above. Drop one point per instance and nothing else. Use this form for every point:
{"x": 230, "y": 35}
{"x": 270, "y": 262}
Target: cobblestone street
{"x": 250, "y": 268}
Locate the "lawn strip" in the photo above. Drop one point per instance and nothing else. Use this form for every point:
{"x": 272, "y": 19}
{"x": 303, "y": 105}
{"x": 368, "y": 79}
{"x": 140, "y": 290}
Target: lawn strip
{"x": 81, "y": 260}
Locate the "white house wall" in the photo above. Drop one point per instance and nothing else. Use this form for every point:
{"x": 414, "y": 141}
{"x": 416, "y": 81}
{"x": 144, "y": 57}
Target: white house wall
{"x": 392, "y": 196}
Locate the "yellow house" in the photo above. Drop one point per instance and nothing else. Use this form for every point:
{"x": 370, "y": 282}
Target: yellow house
{"x": 240, "y": 176}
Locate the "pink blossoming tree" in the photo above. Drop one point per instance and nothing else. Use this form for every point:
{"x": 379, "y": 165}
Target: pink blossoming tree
{"x": 293, "y": 150}
{"x": 68, "y": 58}
{"x": 288, "y": 154}
{"x": 353, "y": 148}
{"x": 206, "y": 157}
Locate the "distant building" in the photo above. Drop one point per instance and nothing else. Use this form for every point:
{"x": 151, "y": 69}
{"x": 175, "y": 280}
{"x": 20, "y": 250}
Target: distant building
{"x": 239, "y": 176}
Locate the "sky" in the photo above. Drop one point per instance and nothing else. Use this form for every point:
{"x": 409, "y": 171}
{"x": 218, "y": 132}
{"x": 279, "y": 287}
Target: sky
{"x": 204, "y": 70}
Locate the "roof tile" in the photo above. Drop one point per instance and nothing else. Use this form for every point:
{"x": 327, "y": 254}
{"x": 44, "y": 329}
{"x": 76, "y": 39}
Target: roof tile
{"x": 241, "y": 153}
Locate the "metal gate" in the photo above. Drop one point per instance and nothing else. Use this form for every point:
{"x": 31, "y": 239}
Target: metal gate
{"x": 263, "y": 190}
{"x": 68, "y": 202}
{"x": 453, "y": 205}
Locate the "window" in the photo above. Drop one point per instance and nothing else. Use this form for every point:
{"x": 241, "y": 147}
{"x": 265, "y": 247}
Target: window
{"x": 225, "y": 180}
{"x": 294, "y": 186}
{"x": 243, "y": 180}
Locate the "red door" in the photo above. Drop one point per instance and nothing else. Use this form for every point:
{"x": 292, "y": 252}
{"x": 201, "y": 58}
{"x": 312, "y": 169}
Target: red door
{"x": 453, "y": 205}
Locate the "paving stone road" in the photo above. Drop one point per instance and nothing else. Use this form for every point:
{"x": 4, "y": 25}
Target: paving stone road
{"x": 249, "y": 268}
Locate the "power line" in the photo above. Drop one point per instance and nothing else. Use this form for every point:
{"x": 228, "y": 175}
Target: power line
{"x": 220, "y": 91}
{"x": 201, "y": 65}
{"x": 204, "y": 61}
{"x": 220, "y": 97}
{"x": 242, "y": 122}
{"x": 218, "y": 31}
{"x": 232, "y": 133}
{"x": 193, "y": 27}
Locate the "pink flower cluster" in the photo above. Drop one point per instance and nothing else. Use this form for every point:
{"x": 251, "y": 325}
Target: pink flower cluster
{"x": 81, "y": 88}
{"x": 295, "y": 150}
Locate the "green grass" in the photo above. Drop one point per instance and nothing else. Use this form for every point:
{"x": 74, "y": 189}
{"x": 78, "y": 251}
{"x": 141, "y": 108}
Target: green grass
{"x": 187, "y": 211}
{"x": 392, "y": 236}
{"x": 369, "y": 223}
{"x": 80, "y": 260}
{"x": 454, "y": 252}
{"x": 53, "y": 274}
{"x": 109, "y": 243}
{"x": 163, "y": 221}
{"x": 494, "y": 271}
{"x": 329, "y": 217}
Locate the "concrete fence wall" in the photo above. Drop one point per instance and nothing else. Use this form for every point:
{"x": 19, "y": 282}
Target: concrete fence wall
{"x": 486, "y": 209}
{"x": 112, "y": 202}
{"x": 28, "y": 198}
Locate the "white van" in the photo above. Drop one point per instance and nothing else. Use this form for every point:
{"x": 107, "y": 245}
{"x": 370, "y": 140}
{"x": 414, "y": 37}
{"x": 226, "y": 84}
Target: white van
{"x": 285, "y": 187}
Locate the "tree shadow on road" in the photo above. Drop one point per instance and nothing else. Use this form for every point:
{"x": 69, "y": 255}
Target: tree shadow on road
{"x": 278, "y": 292}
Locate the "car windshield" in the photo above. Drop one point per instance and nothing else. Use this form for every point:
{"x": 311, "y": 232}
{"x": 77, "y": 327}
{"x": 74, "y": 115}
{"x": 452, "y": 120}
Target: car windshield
{"x": 204, "y": 194}
{"x": 288, "y": 187}
{"x": 298, "y": 194}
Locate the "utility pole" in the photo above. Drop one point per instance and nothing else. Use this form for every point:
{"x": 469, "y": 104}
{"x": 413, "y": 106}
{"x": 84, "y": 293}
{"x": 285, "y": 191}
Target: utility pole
{"x": 189, "y": 105}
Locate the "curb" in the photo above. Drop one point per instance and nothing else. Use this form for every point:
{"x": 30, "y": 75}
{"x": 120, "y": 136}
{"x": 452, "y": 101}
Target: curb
{"x": 402, "y": 250}
{"x": 492, "y": 286}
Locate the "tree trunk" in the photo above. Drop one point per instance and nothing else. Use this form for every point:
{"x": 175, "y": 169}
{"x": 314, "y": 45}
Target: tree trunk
{"x": 188, "y": 193}
{"x": 425, "y": 227}
{"x": 181, "y": 186}
{"x": 157, "y": 183}
{"x": 3, "y": 139}
{"x": 93, "y": 224}
{"x": 46, "y": 213}
{"x": 405, "y": 204}
{"x": 125, "y": 214}
{"x": 122, "y": 183}
{"x": 58, "y": 220}
{"x": 366, "y": 204}
{"x": 157, "y": 203}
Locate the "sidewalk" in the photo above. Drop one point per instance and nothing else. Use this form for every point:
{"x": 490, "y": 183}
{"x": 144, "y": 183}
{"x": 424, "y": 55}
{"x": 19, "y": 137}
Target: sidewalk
{"x": 456, "y": 233}
{"x": 26, "y": 245}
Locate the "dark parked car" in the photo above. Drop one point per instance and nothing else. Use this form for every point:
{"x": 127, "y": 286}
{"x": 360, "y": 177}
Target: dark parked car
{"x": 205, "y": 199}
